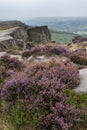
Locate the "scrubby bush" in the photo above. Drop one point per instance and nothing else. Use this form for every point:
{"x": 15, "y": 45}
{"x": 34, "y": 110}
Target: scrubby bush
{"x": 79, "y": 57}
{"x": 3, "y": 74}
{"x": 13, "y": 89}
{"x": 64, "y": 51}
{"x": 42, "y": 90}
{"x": 66, "y": 71}
{"x": 13, "y": 52}
{"x": 11, "y": 63}
{"x": 47, "y": 49}
{"x": 77, "y": 99}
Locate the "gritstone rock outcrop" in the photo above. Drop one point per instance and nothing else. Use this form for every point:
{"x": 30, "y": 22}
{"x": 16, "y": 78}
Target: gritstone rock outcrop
{"x": 15, "y": 34}
{"x": 39, "y": 34}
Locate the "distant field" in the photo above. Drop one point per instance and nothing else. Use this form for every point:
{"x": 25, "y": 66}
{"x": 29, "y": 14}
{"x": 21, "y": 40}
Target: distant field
{"x": 65, "y": 26}
{"x": 72, "y": 25}
{"x": 62, "y": 37}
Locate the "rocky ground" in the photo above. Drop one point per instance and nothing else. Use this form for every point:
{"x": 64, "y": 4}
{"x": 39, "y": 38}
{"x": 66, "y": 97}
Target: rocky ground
{"x": 5, "y": 34}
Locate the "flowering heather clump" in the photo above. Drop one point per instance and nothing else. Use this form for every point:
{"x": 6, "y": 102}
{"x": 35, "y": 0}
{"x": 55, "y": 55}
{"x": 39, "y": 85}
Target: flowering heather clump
{"x": 11, "y": 63}
{"x": 48, "y": 49}
{"x": 49, "y": 96}
{"x": 42, "y": 89}
{"x": 67, "y": 72}
{"x": 62, "y": 116}
{"x": 79, "y": 57}
{"x": 33, "y": 51}
{"x": 14, "y": 90}
{"x": 56, "y": 49}
{"x": 64, "y": 51}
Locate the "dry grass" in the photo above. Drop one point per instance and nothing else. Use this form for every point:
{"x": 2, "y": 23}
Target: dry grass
{"x": 13, "y": 52}
{"x": 5, "y": 27}
{"x": 78, "y": 46}
{"x": 5, "y": 125}
{"x": 27, "y": 128}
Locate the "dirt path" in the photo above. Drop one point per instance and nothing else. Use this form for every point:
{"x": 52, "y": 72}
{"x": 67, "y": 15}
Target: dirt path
{"x": 5, "y": 34}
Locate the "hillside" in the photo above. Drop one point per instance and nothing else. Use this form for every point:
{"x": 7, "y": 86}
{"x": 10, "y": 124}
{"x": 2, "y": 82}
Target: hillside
{"x": 62, "y": 37}
{"x": 68, "y": 27}
{"x": 74, "y": 25}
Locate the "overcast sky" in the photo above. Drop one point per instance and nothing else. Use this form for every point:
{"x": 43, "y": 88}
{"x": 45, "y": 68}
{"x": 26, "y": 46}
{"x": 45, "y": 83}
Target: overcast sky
{"x": 24, "y": 9}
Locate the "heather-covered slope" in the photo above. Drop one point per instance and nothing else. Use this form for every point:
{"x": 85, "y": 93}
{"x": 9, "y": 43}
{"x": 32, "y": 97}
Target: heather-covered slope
{"x": 38, "y": 83}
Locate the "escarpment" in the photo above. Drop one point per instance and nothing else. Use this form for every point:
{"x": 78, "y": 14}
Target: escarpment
{"x": 13, "y": 38}
{"x": 18, "y": 35}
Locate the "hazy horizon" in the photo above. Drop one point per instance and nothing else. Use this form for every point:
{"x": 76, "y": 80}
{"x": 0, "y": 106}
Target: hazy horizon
{"x": 26, "y": 9}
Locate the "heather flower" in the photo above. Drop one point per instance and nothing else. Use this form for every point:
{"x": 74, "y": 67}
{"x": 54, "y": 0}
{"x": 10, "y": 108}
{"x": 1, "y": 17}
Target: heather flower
{"x": 47, "y": 49}
{"x": 79, "y": 57}
{"x": 11, "y": 63}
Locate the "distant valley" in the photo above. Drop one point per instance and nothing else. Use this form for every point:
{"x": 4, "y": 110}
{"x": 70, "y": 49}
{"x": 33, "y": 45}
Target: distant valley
{"x": 62, "y": 29}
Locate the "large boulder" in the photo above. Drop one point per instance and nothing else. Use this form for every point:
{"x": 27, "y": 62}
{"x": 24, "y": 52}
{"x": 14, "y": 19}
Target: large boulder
{"x": 83, "y": 85}
{"x": 39, "y": 34}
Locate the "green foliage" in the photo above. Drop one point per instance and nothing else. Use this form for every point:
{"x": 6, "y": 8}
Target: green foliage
{"x": 20, "y": 115}
{"x": 77, "y": 99}
{"x": 62, "y": 37}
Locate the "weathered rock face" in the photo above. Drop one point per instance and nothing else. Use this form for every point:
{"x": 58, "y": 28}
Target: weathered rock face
{"x": 20, "y": 33}
{"x": 13, "y": 38}
{"x": 39, "y": 34}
